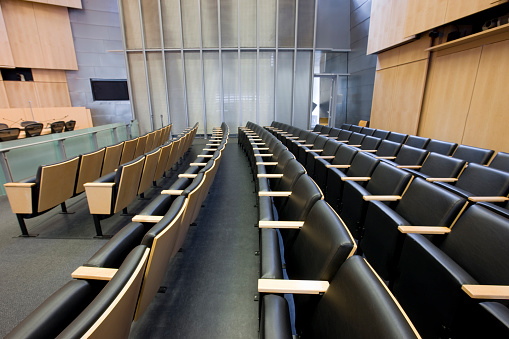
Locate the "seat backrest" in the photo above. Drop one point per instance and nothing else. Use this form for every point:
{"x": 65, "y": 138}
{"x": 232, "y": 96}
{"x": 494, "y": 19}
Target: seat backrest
{"x": 382, "y": 134}
{"x": 69, "y": 125}
{"x": 362, "y": 165}
{"x": 317, "y": 128}
{"x": 89, "y": 169}
{"x": 3, "y": 126}
{"x": 334, "y": 132}
{"x": 128, "y": 150}
{"x": 157, "y": 138}
{"x": 397, "y": 137}
{"x": 330, "y": 147}
{"x": 478, "y": 243}
{"x": 140, "y": 146}
{"x": 417, "y": 142}
{"x": 370, "y": 143}
{"x": 7, "y": 134}
{"x": 311, "y": 137}
{"x": 26, "y": 123}
{"x": 368, "y": 131}
{"x": 325, "y": 130}
{"x": 319, "y": 142}
{"x": 344, "y": 135}
{"x": 305, "y": 194}
{"x": 57, "y": 126}
{"x": 387, "y": 180}
{"x": 113, "y": 309}
{"x": 291, "y": 173}
{"x": 174, "y": 154}
{"x": 441, "y": 166}
{"x": 346, "y": 126}
{"x": 473, "y": 154}
{"x": 163, "y": 159}
{"x": 56, "y": 183}
{"x": 500, "y": 162}
{"x": 32, "y": 129}
{"x": 388, "y": 148}
{"x": 127, "y": 181}
{"x": 344, "y": 155}
{"x": 112, "y": 156}
{"x": 355, "y": 294}
{"x": 441, "y": 147}
{"x": 356, "y": 129}
{"x": 149, "y": 169}
{"x": 409, "y": 155}
{"x": 161, "y": 239}
{"x": 150, "y": 140}
{"x": 426, "y": 204}
{"x": 356, "y": 139}
{"x": 484, "y": 181}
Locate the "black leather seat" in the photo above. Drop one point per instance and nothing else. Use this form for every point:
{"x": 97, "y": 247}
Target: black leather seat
{"x": 355, "y": 139}
{"x": 3, "y": 126}
{"x": 397, "y": 137}
{"x": 368, "y": 131}
{"x": 438, "y": 166}
{"x": 441, "y": 147}
{"x": 355, "y": 128}
{"x": 500, "y": 162}
{"x": 346, "y": 126}
{"x": 330, "y": 148}
{"x": 387, "y": 150}
{"x": 26, "y": 123}
{"x": 473, "y": 154}
{"x": 57, "y": 126}
{"x": 7, "y": 134}
{"x": 474, "y": 252}
{"x": 32, "y": 129}
{"x": 356, "y": 305}
{"x": 343, "y": 157}
{"x": 417, "y": 142}
{"x": 370, "y": 144}
{"x": 382, "y": 134}
{"x": 69, "y": 125}
{"x": 318, "y": 146}
{"x": 422, "y": 204}
{"x": 409, "y": 157}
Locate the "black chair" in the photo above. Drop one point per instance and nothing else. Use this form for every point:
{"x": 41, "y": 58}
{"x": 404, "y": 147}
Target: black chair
{"x": 33, "y": 129}
{"x": 500, "y": 162}
{"x": 318, "y": 146}
{"x": 382, "y": 134}
{"x": 474, "y": 252}
{"x": 342, "y": 159}
{"x": 330, "y": 148}
{"x": 387, "y": 150}
{"x": 355, "y": 139}
{"x": 344, "y": 136}
{"x": 334, "y": 133}
{"x": 7, "y": 134}
{"x": 57, "y": 126}
{"x": 3, "y": 126}
{"x": 356, "y": 304}
{"x": 417, "y": 142}
{"x": 368, "y": 131}
{"x": 26, "y": 123}
{"x": 423, "y": 204}
{"x": 441, "y": 147}
{"x": 69, "y": 125}
{"x": 409, "y": 157}
{"x": 356, "y": 129}
{"x": 370, "y": 144}
{"x": 397, "y": 137}
{"x": 473, "y": 154}
{"x": 438, "y": 167}
{"x": 346, "y": 126}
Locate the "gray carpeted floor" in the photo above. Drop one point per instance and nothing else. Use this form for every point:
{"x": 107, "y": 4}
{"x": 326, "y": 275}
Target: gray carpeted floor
{"x": 211, "y": 284}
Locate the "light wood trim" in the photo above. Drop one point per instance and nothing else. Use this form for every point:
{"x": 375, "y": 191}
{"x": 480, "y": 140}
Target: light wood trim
{"x": 94, "y": 273}
{"x": 210, "y": 149}
{"x": 260, "y": 149}
{"x": 337, "y": 166}
{"x": 292, "y": 286}
{"x": 381, "y": 197}
{"x": 147, "y": 218}
{"x": 488, "y": 199}
{"x": 6, "y": 58}
{"x": 314, "y": 150}
{"x": 355, "y": 178}
{"x": 409, "y": 166}
{"x": 355, "y": 145}
{"x": 442, "y": 179}
{"x": 292, "y": 138}
{"x": 211, "y": 145}
{"x": 424, "y": 229}
{"x": 204, "y": 156}
{"x": 274, "y": 193}
{"x": 335, "y": 138}
{"x": 265, "y": 175}
{"x": 257, "y": 143}
{"x": 300, "y": 140}
{"x": 255, "y": 139}
{"x": 486, "y": 291}
{"x": 172, "y": 192}
{"x": 264, "y": 155}
{"x": 99, "y": 196}
{"x": 306, "y": 145}
{"x": 20, "y": 196}
{"x": 267, "y": 163}
{"x": 61, "y": 175}
{"x": 198, "y": 164}
{"x": 368, "y": 150}
{"x": 280, "y": 224}
{"x": 187, "y": 175}
{"x": 324, "y": 156}
{"x": 388, "y": 158}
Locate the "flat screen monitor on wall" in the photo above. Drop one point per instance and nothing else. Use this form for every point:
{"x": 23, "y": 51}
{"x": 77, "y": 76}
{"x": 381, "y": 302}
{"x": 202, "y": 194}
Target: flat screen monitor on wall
{"x": 109, "y": 89}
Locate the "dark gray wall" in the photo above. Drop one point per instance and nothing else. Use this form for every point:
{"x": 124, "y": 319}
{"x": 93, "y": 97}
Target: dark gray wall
{"x": 332, "y": 24}
{"x": 96, "y": 30}
{"x": 360, "y": 66}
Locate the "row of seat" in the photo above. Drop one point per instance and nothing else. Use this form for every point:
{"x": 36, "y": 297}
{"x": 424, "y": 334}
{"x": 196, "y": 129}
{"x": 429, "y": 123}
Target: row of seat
{"x": 318, "y": 252}
{"x": 117, "y": 284}
{"x": 34, "y": 128}
{"x": 380, "y": 203}
{"x": 36, "y": 195}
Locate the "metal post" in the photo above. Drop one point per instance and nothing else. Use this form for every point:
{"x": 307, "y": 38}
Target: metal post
{"x": 5, "y": 167}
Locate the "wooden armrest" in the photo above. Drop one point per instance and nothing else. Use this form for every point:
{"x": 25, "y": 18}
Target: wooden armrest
{"x": 409, "y": 166}
{"x": 324, "y": 135}
{"x": 300, "y": 140}
{"x": 310, "y": 130}
{"x": 204, "y": 156}
{"x": 486, "y": 291}
{"x": 210, "y": 149}
{"x": 198, "y": 164}
{"x": 280, "y": 224}
{"x": 424, "y": 229}
{"x": 381, "y": 197}
{"x": 275, "y": 176}
{"x": 282, "y": 132}
{"x": 293, "y": 138}
{"x": 314, "y": 150}
{"x": 264, "y": 155}
{"x": 260, "y": 149}
{"x": 368, "y": 150}
{"x": 442, "y": 179}
{"x": 335, "y": 138}
{"x": 355, "y": 178}
{"x": 388, "y": 158}
{"x": 188, "y": 175}
{"x": 337, "y": 166}
{"x": 324, "y": 157}
{"x": 488, "y": 199}
{"x": 255, "y": 139}
{"x": 274, "y": 193}
{"x": 212, "y": 145}
{"x": 305, "y": 145}
{"x": 257, "y": 143}
{"x": 172, "y": 192}
{"x": 147, "y": 218}
{"x": 268, "y": 163}
{"x": 98, "y": 184}
{"x": 19, "y": 184}
{"x": 292, "y": 286}
{"x": 355, "y": 145}
{"x": 94, "y": 273}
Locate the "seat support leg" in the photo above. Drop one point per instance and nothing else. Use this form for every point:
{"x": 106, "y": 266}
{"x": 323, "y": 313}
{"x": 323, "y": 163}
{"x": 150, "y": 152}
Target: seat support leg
{"x": 63, "y": 207}
{"x": 23, "y": 227}
{"x": 97, "y": 224}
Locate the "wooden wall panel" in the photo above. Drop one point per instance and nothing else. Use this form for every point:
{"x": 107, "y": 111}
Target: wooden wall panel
{"x": 13, "y": 116}
{"x": 20, "y": 93}
{"x": 486, "y": 124}
{"x": 6, "y": 59}
{"x": 410, "y": 52}
{"x": 23, "y": 33}
{"x": 457, "y": 9}
{"x": 53, "y": 94}
{"x": 448, "y": 93}
{"x": 48, "y": 75}
{"x": 65, "y": 3}
{"x": 383, "y": 93}
{"x": 55, "y": 35}
{"x": 423, "y": 15}
{"x": 4, "y": 101}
